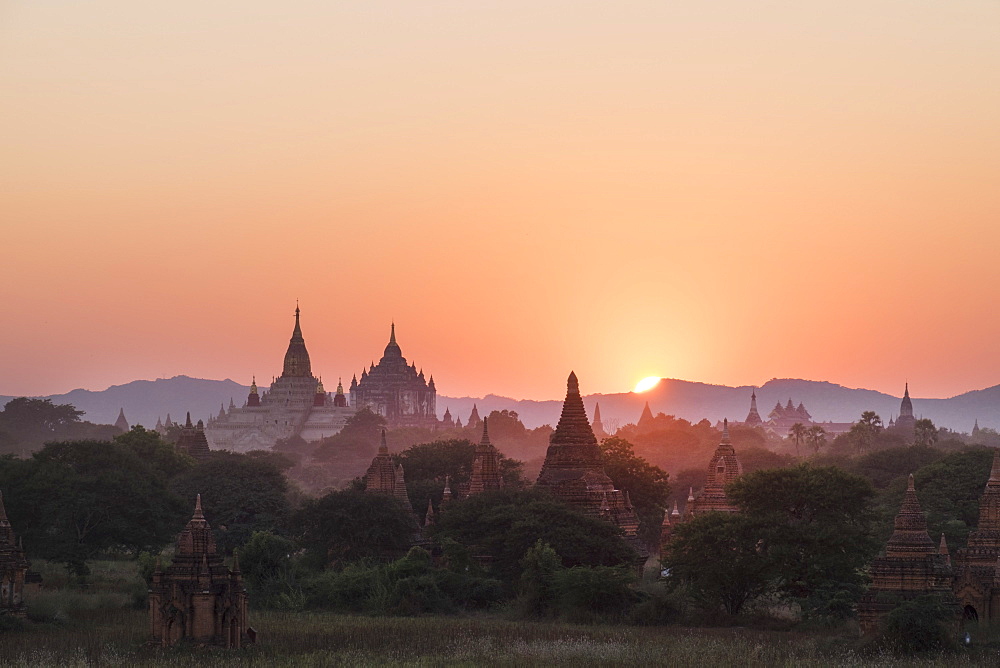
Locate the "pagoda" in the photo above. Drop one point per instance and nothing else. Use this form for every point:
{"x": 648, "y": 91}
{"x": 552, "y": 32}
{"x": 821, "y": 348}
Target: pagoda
{"x": 13, "y": 568}
{"x": 911, "y": 566}
{"x": 976, "y": 566}
{"x": 193, "y": 441}
{"x": 724, "y": 468}
{"x": 753, "y": 417}
{"x": 573, "y": 470}
{"x": 385, "y": 477}
{"x": 296, "y": 404}
{"x": 485, "y": 466}
{"x": 198, "y": 598}
{"x": 396, "y": 390}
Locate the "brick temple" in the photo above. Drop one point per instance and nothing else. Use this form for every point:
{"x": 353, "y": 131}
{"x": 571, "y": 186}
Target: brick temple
{"x": 13, "y": 568}
{"x": 198, "y": 598}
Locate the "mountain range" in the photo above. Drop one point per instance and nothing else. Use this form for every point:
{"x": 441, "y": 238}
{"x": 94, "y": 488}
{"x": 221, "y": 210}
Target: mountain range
{"x": 144, "y": 401}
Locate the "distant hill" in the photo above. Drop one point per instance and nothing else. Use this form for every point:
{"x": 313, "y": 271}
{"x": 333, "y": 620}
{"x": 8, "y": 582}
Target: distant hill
{"x": 146, "y": 400}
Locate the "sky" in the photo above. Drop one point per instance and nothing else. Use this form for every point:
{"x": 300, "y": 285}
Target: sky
{"x": 717, "y": 191}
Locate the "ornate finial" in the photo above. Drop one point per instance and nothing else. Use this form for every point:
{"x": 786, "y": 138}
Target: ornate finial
{"x": 725, "y": 431}
{"x": 909, "y": 484}
{"x": 676, "y": 511}
{"x": 690, "y": 494}
{"x": 198, "y": 514}
{"x": 392, "y": 332}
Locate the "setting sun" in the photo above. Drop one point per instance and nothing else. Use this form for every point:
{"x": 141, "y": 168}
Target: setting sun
{"x": 647, "y": 383}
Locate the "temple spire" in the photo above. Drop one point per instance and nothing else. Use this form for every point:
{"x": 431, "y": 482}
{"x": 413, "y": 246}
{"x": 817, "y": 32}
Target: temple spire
{"x": 485, "y": 440}
{"x": 383, "y": 448}
{"x": 994, "y": 480}
{"x": 198, "y": 513}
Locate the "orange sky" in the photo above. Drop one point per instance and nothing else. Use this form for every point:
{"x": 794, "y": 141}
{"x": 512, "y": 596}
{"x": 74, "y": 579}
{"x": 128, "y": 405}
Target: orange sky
{"x": 723, "y": 191}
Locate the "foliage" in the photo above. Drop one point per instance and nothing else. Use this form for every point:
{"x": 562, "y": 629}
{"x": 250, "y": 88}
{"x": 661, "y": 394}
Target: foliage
{"x": 73, "y": 500}
{"x": 814, "y": 530}
{"x": 26, "y": 424}
{"x": 408, "y": 586}
{"x": 715, "y": 557}
{"x": 536, "y": 584}
{"x": 268, "y": 570}
{"x": 864, "y": 432}
{"x": 648, "y": 486}
{"x": 349, "y": 525}
{"x": 797, "y": 434}
{"x": 583, "y": 591}
{"x": 240, "y": 494}
{"x": 883, "y": 466}
{"x": 153, "y": 449}
{"x": 925, "y": 434}
{"x": 920, "y": 625}
{"x": 361, "y": 434}
{"x": 502, "y": 526}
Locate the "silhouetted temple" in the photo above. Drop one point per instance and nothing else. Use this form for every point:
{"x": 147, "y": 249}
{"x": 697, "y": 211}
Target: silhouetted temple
{"x": 573, "y": 470}
{"x": 724, "y": 468}
{"x": 977, "y": 566}
{"x": 192, "y": 440}
{"x": 598, "y": 424}
{"x": 485, "y": 466}
{"x": 753, "y": 417}
{"x": 295, "y": 405}
{"x": 905, "y": 423}
{"x": 385, "y": 477}
{"x": 121, "y": 422}
{"x": 646, "y": 421}
{"x": 396, "y": 390}
{"x": 13, "y": 568}
{"x": 198, "y": 598}
{"x": 911, "y": 566}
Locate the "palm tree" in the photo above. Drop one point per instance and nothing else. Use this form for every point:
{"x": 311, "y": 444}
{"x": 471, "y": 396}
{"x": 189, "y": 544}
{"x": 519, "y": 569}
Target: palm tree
{"x": 797, "y": 433}
{"x": 816, "y": 437}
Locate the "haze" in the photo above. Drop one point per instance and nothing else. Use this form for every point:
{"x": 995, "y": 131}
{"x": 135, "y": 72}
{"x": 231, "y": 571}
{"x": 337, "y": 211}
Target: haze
{"x": 724, "y": 192}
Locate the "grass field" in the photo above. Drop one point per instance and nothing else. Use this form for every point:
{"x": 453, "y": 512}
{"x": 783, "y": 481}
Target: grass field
{"x": 98, "y": 627}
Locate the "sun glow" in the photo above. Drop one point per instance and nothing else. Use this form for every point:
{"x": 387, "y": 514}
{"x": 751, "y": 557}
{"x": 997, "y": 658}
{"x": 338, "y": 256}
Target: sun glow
{"x": 647, "y": 383}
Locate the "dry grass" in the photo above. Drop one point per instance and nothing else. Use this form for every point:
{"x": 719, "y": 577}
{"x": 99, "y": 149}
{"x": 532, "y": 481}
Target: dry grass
{"x": 97, "y": 628}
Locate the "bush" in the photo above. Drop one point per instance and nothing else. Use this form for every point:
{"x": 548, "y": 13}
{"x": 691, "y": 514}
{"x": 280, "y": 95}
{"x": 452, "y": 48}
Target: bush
{"x": 585, "y": 591}
{"x": 920, "y": 625}
{"x": 11, "y": 624}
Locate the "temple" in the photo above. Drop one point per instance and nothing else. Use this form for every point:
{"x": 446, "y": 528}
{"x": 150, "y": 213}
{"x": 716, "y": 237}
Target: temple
{"x": 753, "y": 417}
{"x": 573, "y": 470}
{"x": 198, "y": 598}
{"x": 598, "y": 424}
{"x": 192, "y": 440}
{"x": 396, "y": 390}
{"x": 905, "y": 424}
{"x": 13, "y": 568}
{"x": 485, "y": 466}
{"x": 121, "y": 422}
{"x": 911, "y": 566}
{"x": 386, "y": 477}
{"x": 724, "y": 468}
{"x": 296, "y": 404}
{"x": 977, "y": 569}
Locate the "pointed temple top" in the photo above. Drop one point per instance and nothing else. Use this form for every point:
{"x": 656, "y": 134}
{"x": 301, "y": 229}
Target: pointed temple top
{"x": 392, "y": 332}
{"x": 297, "y": 363}
{"x": 597, "y": 412}
{"x": 909, "y": 537}
{"x": 943, "y": 546}
{"x": 383, "y": 449}
{"x": 725, "y": 432}
{"x": 572, "y": 384}
{"x": 994, "y": 480}
{"x": 485, "y": 441}
{"x": 573, "y": 427}
{"x": 198, "y": 514}
{"x": 690, "y": 493}
{"x": 188, "y": 424}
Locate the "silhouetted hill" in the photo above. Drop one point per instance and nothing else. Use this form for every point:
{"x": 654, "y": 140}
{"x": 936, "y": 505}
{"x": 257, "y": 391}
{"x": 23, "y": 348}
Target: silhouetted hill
{"x": 145, "y": 400}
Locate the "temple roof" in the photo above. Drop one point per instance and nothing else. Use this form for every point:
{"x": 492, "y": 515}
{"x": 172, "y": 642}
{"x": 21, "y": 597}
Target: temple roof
{"x": 906, "y": 406}
{"x": 297, "y": 362}
{"x": 910, "y": 538}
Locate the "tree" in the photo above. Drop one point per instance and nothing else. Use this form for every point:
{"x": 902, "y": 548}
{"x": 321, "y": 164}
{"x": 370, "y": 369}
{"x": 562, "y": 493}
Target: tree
{"x": 863, "y": 433}
{"x": 715, "y": 557}
{"x": 240, "y": 494}
{"x": 76, "y": 499}
{"x": 361, "y": 435}
{"x": 924, "y": 433}
{"x": 153, "y": 449}
{"x": 814, "y": 526}
{"x": 882, "y": 467}
{"x": 27, "y": 424}
{"x": 816, "y": 437}
{"x": 797, "y": 433}
{"x": 648, "y": 486}
{"x": 346, "y": 526}
{"x": 504, "y": 525}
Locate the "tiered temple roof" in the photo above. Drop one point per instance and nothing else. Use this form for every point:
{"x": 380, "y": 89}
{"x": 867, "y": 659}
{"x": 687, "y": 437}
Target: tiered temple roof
{"x": 485, "y": 466}
{"x": 724, "y": 468}
{"x": 976, "y": 564}
{"x": 385, "y": 477}
{"x": 753, "y": 417}
{"x": 198, "y": 597}
{"x": 192, "y": 440}
{"x": 396, "y": 390}
{"x": 911, "y": 566}
{"x": 573, "y": 470}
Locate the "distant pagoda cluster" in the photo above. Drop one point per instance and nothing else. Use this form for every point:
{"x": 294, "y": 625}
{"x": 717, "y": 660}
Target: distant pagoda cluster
{"x": 297, "y": 404}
